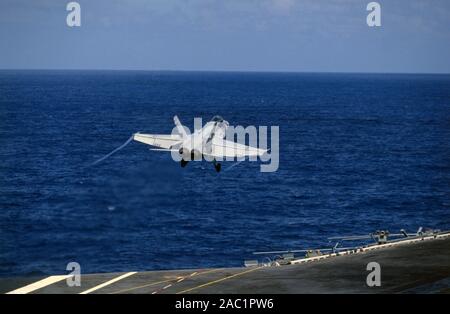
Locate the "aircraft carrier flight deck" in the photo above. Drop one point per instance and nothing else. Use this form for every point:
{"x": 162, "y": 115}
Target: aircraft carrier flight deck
{"x": 419, "y": 264}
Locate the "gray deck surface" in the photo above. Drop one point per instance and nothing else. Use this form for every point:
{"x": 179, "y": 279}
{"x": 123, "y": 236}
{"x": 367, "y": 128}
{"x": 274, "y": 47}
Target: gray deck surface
{"x": 422, "y": 267}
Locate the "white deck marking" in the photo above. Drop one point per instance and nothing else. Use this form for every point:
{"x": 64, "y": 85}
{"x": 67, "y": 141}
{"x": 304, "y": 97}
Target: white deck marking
{"x": 39, "y": 284}
{"x": 168, "y": 286}
{"x": 108, "y": 282}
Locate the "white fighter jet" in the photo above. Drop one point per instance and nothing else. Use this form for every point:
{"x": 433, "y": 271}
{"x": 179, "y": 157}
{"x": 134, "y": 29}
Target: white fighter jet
{"x": 208, "y": 143}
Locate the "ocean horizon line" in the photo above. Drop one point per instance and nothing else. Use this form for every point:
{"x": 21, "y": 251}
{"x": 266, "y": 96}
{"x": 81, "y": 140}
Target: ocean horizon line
{"x": 218, "y": 71}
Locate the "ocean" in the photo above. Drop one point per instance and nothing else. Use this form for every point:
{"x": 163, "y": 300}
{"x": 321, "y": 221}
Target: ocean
{"x": 358, "y": 153}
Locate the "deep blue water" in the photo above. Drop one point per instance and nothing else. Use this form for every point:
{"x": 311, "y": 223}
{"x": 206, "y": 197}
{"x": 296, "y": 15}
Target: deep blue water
{"x": 358, "y": 152}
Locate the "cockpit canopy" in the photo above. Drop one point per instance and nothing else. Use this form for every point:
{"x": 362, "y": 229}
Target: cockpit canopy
{"x": 219, "y": 124}
{"x": 217, "y": 119}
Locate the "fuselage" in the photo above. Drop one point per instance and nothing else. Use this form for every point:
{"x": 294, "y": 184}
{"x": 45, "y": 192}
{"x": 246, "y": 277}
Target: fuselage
{"x": 200, "y": 141}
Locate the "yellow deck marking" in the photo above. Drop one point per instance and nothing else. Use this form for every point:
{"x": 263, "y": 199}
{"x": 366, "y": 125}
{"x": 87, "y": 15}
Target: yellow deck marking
{"x": 140, "y": 287}
{"x": 158, "y": 282}
{"x": 108, "y": 282}
{"x": 219, "y": 280}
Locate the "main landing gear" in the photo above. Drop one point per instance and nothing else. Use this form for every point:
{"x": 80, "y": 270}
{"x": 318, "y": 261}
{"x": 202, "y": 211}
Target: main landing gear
{"x": 217, "y": 165}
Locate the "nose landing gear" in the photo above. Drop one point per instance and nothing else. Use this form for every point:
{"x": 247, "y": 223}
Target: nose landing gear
{"x": 217, "y": 166}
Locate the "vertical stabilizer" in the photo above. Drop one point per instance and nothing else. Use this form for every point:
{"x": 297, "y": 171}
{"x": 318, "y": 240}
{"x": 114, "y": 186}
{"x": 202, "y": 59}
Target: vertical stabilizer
{"x": 180, "y": 127}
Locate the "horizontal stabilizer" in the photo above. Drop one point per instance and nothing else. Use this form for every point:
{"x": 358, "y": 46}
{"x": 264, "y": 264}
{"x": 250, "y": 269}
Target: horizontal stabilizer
{"x": 164, "y": 150}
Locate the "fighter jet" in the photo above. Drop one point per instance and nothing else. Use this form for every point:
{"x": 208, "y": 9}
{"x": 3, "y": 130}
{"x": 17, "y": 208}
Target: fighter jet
{"x": 208, "y": 143}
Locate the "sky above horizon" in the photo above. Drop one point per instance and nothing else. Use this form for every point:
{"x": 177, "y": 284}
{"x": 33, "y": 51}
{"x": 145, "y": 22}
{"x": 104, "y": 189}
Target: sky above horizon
{"x": 229, "y": 35}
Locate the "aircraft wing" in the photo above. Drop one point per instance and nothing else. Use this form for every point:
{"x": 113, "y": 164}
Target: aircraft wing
{"x": 222, "y": 149}
{"x": 165, "y": 141}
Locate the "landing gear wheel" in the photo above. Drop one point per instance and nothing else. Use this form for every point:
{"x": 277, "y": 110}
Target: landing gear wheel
{"x": 183, "y": 163}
